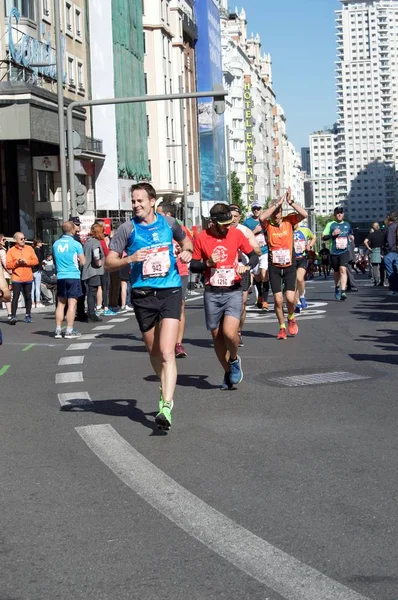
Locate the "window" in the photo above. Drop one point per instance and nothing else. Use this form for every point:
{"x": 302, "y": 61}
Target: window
{"x": 144, "y": 38}
{"x": 148, "y": 127}
{"x": 170, "y": 180}
{"x": 164, "y": 46}
{"x": 150, "y": 167}
{"x": 175, "y": 171}
{"x": 78, "y": 23}
{"x": 46, "y": 8}
{"x": 45, "y": 186}
{"x": 68, "y": 17}
{"x": 146, "y": 82}
{"x": 167, "y": 128}
{"x": 25, "y": 7}
{"x": 71, "y": 70}
{"x": 172, "y": 130}
{"x": 80, "y": 76}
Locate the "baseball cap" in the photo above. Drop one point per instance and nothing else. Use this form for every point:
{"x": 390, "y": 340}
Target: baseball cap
{"x": 221, "y": 217}
{"x": 256, "y": 205}
{"x": 338, "y": 209}
{"x": 236, "y": 208}
{"x": 75, "y": 220}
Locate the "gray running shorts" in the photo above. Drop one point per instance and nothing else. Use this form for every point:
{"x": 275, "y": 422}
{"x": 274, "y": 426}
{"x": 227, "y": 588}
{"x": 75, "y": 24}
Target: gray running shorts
{"x": 222, "y": 304}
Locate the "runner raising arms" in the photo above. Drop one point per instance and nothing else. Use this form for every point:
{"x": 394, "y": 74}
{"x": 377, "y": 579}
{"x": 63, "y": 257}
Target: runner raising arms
{"x": 156, "y": 285}
{"x": 282, "y": 266}
{"x": 216, "y": 254}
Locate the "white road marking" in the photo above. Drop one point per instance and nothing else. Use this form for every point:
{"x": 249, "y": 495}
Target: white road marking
{"x": 71, "y": 360}
{"x": 89, "y": 336}
{"x": 103, "y": 327}
{"x": 74, "y": 399}
{"x": 119, "y": 320}
{"x": 77, "y": 347}
{"x": 267, "y": 564}
{"x": 72, "y": 377}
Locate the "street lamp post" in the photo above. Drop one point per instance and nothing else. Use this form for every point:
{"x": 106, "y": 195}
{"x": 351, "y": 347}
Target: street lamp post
{"x": 61, "y": 111}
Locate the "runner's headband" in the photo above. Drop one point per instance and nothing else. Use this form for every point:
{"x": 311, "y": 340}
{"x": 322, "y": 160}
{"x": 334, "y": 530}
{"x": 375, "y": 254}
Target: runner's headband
{"x": 224, "y": 218}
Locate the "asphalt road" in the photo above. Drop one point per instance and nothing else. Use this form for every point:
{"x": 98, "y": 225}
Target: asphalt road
{"x": 268, "y": 491}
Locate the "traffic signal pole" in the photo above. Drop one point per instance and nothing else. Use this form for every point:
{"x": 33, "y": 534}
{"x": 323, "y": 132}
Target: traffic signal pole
{"x": 218, "y": 94}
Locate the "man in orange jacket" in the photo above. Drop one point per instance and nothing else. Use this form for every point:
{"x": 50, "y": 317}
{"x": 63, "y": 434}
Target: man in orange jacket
{"x": 19, "y": 260}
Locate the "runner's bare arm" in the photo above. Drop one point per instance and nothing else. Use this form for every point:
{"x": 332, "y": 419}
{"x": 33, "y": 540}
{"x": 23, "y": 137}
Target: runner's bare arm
{"x": 5, "y": 292}
{"x": 253, "y": 243}
{"x": 186, "y": 250}
{"x": 114, "y": 261}
{"x": 82, "y": 259}
{"x": 268, "y": 212}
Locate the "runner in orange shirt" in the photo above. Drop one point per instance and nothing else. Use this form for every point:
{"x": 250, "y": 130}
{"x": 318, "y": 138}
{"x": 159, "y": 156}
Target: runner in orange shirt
{"x": 282, "y": 262}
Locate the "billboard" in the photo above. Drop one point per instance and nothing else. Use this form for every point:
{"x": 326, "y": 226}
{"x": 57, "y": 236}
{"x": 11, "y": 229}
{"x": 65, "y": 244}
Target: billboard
{"x": 213, "y": 176}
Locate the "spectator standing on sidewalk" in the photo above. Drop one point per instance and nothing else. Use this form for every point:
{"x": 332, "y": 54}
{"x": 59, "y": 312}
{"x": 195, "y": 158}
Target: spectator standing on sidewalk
{"x": 6, "y": 273}
{"x": 93, "y": 269}
{"x": 374, "y": 243}
{"x": 19, "y": 260}
{"x": 5, "y": 295}
{"x": 37, "y": 271}
{"x": 391, "y": 255}
{"x": 68, "y": 255}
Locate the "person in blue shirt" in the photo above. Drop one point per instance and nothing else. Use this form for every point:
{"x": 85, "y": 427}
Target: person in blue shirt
{"x": 260, "y": 272}
{"x": 68, "y": 255}
{"x": 147, "y": 242}
{"x": 340, "y": 233}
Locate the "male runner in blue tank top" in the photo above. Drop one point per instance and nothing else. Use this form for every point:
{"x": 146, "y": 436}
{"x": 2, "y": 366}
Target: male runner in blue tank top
{"x": 156, "y": 285}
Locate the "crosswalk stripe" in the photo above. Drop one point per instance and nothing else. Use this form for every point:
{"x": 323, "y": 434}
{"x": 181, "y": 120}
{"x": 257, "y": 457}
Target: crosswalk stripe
{"x": 270, "y": 566}
{"x": 71, "y": 360}
{"x": 74, "y": 399}
{"x": 72, "y": 377}
{"x": 77, "y": 347}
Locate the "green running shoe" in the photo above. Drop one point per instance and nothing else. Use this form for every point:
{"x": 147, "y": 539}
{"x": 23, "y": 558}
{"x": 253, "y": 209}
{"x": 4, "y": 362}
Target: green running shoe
{"x": 163, "y": 418}
{"x": 161, "y": 400}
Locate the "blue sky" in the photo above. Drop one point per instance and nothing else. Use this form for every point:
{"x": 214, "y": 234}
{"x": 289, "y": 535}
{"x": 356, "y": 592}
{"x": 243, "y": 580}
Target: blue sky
{"x": 300, "y": 36}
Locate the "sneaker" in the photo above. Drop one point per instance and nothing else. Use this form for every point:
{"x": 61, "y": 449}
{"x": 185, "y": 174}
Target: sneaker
{"x": 58, "y": 334}
{"x": 179, "y": 351}
{"x": 93, "y": 318}
{"x": 343, "y": 296}
{"x": 108, "y": 313}
{"x": 9, "y": 317}
{"x": 282, "y": 335}
{"x": 297, "y": 310}
{"x": 129, "y": 308}
{"x": 123, "y": 309}
{"x": 226, "y": 384}
{"x": 13, "y": 320}
{"x": 240, "y": 343}
{"x": 73, "y": 335}
{"x": 28, "y": 319}
{"x": 337, "y": 293}
{"x": 292, "y": 327}
{"x": 163, "y": 418}
{"x": 236, "y": 374}
{"x": 259, "y": 302}
{"x": 39, "y": 305}
{"x": 99, "y": 310}
{"x": 303, "y": 302}
{"x": 265, "y": 306}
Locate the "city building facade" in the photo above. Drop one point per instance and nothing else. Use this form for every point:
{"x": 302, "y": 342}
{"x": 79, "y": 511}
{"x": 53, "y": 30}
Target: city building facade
{"x": 29, "y": 139}
{"x": 367, "y": 99}
{"x": 323, "y": 171}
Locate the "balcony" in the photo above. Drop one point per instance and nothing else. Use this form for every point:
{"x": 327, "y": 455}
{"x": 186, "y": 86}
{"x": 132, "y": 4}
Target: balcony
{"x": 94, "y": 145}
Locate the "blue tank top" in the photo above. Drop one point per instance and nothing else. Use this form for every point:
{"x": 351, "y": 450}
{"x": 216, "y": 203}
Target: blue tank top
{"x": 159, "y": 271}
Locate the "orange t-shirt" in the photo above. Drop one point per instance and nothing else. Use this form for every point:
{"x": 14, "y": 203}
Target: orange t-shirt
{"x": 280, "y": 240}
{"x": 22, "y": 274}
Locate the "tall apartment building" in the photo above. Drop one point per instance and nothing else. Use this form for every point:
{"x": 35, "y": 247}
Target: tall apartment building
{"x": 323, "y": 175}
{"x": 367, "y": 97}
{"x": 306, "y": 160}
{"x": 169, "y": 35}
{"x": 117, "y": 70}
{"x": 250, "y": 108}
{"x": 30, "y": 182}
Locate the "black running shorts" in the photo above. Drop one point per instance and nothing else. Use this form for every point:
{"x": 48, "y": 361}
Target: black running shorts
{"x": 151, "y": 306}
{"x": 282, "y": 278}
{"x": 339, "y": 260}
{"x": 301, "y": 263}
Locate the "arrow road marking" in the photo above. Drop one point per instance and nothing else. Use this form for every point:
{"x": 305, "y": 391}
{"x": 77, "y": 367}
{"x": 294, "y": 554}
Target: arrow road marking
{"x": 267, "y": 564}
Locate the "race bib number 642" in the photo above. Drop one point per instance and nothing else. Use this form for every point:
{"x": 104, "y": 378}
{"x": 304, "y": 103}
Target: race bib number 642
{"x": 157, "y": 263}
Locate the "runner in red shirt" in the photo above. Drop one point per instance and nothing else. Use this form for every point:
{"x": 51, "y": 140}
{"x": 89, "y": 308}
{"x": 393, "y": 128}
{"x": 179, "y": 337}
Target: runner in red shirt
{"x": 216, "y": 255}
{"x": 169, "y": 209}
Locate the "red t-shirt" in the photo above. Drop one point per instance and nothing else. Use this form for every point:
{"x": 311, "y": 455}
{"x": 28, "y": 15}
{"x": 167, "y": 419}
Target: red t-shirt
{"x": 225, "y": 272}
{"x": 183, "y": 268}
{"x": 104, "y": 247}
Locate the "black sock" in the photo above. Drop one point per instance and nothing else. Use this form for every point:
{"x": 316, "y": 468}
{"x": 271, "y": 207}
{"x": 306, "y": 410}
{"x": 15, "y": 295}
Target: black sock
{"x": 265, "y": 290}
{"x": 259, "y": 286}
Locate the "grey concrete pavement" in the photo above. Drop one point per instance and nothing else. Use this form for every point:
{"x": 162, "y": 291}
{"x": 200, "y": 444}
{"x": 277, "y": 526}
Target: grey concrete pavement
{"x": 311, "y": 470}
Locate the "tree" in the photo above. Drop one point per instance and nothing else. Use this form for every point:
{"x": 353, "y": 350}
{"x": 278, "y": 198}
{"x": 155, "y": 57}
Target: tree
{"x": 322, "y": 220}
{"x": 236, "y": 191}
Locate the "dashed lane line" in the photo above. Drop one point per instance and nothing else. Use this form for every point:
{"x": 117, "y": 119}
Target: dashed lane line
{"x": 71, "y": 377}
{"x": 71, "y": 360}
{"x": 74, "y": 400}
{"x": 4, "y": 369}
{"x": 103, "y": 327}
{"x": 267, "y": 564}
{"x": 118, "y": 320}
{"x": 77, "y": 347}
{"x": 89, "y": 336}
